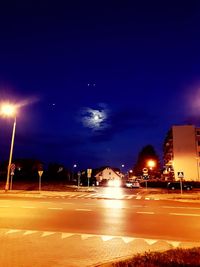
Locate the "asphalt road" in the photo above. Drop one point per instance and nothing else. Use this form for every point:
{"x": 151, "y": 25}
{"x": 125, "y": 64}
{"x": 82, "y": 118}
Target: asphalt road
{"x": 126, "y": 217}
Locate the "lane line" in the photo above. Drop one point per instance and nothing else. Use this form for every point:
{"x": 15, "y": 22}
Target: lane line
{"x": 172, "y": 207}
{"x": 5, "y": 206}
{"x": 83, "y": 210}
{"x": 55, "y": 208}
{"x": 27, "y": 207}
{"x": 145, "y": 212}
{"x": 185, "y": 214}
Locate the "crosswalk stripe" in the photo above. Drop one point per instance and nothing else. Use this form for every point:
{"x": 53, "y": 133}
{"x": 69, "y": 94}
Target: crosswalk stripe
{"x": 47, "y": 234}
{"x": 29, "y": 232}
{"x": 13, "y": 231}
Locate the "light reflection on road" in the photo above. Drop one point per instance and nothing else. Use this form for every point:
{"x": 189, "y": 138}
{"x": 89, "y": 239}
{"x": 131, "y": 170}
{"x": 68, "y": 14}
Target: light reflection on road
{"x": 113, "y": 192}
{"x": 113, "y": 204}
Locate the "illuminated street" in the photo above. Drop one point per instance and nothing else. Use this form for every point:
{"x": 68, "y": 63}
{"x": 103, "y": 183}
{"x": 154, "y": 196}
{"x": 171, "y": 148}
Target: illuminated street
{"x": 59, "y": 222}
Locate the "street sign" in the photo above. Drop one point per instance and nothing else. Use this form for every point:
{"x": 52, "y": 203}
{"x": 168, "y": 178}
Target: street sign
{"x": 40, "y": 173}
{"x": 180, "y": 174}
{"x": 12, "y": 167}
{"x": 89, "y": 172}
{"x": 145, "y": 170}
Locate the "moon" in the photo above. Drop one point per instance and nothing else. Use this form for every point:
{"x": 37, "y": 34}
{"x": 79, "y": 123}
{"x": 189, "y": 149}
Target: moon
{"x": 95, "y": 119}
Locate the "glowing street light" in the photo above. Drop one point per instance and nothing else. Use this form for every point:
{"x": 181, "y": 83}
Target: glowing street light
{"x": 9, "y": 110}
{"x": 151, "y": 164}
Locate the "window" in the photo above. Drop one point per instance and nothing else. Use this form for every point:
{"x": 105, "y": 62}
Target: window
{"x": 198, "y": 132}
{"x": 198, "y": 142}
{"x": 109, "y": 173}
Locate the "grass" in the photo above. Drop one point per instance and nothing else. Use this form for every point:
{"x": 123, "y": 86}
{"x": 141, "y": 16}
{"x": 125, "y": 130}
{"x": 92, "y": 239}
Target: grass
{"x": 170, "y": 258}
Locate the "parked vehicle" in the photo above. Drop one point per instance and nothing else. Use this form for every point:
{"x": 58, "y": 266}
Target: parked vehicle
{"x": 131, "y": 184}
{"x": 177, "y": 185}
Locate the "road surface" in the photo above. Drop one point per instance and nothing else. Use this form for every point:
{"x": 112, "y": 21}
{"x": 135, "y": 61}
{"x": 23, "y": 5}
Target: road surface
{"x": 83, "y": 231}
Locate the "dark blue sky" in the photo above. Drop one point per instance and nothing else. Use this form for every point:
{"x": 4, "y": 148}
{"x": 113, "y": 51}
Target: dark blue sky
{"x": 135, "y": 65}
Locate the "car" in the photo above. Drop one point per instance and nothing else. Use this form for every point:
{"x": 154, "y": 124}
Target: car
{"x": 131, "y": 184}
{"x": 177, "y": 185}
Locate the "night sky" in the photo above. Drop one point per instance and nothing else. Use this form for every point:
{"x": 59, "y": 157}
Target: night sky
{"x": 97, "y": 80}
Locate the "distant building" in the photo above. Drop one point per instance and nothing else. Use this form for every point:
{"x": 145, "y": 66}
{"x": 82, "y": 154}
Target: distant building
{"x": 182, "y": 153}
{"x": 107, "y": 173}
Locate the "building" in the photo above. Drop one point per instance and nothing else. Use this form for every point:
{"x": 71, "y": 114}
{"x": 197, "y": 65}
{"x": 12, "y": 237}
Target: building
{"x": 107, "y": 173}
{"x": 182, "y": 153}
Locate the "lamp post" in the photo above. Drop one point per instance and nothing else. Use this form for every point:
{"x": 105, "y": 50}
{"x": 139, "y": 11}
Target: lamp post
{"x": 9, "y": 110}
{"x": 151, "y": 164}
{"x": 74, "y": 166}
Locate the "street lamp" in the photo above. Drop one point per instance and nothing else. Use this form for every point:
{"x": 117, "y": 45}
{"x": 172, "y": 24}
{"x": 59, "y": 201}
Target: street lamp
{"x": 151, "y": 164}
{"x": 9, "y": 110}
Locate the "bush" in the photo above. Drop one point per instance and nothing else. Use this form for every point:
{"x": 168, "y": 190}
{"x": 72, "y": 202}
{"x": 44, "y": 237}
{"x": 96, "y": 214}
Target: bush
{"x": 170, "y": 258}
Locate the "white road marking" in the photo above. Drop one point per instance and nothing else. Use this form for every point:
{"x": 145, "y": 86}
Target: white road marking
{"x": 107, "y": 237}
{"x": 30, "y": 232}
{"x": 126, "y": 239}
{"x": 13, "y": 231}
{"x": 28, "y": 207}
{"x": 145, "y": 212}
{"x": 172, "y": 207}
{"x": 138, "y": 197}
{"x": 186, "y": 214}
{"x": 82, "y": 195}
{"x": 5, "y": 206}
{"x": 147, "y": 198}
{"x": 151, "y": 241}
{"x": 46, "y": 202}
{"x": 67, "y": 203}
{"x": 83, "y": 210}
{"x": 47, "y": 234}
{"x": 65, "y": 235}
{"x": 174, "y": 244}
{"x": 55, "y": 208}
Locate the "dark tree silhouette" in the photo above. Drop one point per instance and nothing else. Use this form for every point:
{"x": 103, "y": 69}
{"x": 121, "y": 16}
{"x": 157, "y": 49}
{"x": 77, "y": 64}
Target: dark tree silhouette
{"x": 147, "y": 153}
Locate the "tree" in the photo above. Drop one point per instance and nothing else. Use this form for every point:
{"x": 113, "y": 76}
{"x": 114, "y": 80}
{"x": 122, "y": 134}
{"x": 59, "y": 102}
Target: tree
{"x": 146, "y": 156}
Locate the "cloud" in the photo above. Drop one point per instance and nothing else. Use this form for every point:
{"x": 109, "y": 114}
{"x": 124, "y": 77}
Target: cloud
{"x": 95, "y": 119}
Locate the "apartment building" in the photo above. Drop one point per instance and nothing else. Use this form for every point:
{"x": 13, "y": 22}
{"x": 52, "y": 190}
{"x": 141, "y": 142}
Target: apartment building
{"x": 182, "y": 153}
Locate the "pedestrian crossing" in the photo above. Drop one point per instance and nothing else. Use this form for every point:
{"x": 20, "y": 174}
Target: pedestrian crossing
{"x": 95, "y": 196}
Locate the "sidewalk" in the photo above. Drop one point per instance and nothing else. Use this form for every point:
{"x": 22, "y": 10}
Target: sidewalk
{"x": 185, "y": 197}
{"x": 27, "y": 248}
